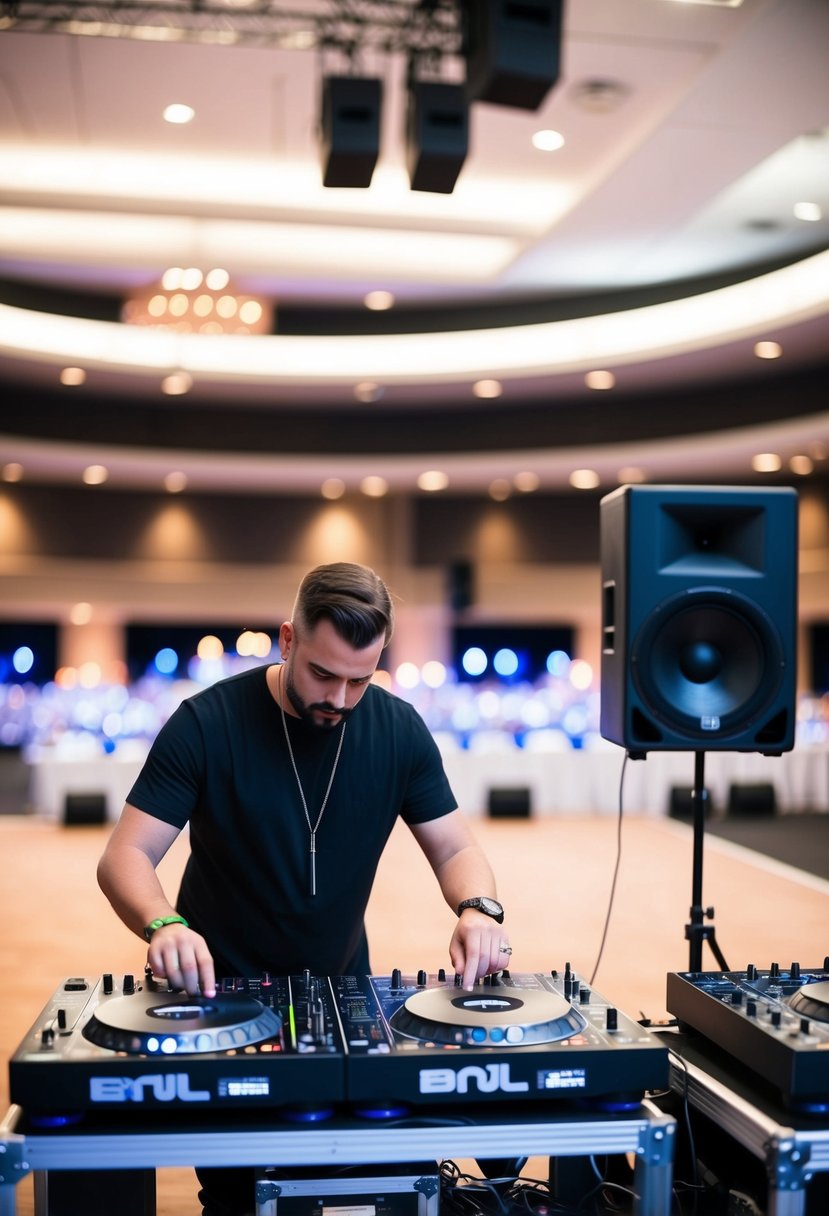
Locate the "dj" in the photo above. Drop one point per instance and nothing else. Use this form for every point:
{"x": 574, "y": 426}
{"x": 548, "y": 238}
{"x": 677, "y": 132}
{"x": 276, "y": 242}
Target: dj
{"x": 291, "y": 778}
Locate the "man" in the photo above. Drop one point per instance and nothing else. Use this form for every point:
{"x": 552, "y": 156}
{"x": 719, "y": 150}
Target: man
{"x": 291, "y": 778}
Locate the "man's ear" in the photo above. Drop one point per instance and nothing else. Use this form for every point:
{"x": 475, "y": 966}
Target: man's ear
{"x": 286, "y": 637}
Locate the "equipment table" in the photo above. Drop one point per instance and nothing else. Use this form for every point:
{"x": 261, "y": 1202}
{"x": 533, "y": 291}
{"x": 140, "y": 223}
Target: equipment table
{"x": 791, "y": 1147}
{"x": 506, "y": 1132}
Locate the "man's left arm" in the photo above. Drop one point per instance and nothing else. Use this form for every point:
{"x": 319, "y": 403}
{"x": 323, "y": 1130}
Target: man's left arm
{"x": 477, "y": 945}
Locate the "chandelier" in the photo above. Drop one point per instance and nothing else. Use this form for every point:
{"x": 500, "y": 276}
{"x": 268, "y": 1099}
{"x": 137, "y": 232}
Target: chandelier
{"x": 189, "y": 300}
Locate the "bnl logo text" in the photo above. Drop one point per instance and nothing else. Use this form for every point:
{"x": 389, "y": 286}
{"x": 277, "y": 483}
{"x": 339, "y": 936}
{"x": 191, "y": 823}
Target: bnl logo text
{"x": 172, "y": 1087}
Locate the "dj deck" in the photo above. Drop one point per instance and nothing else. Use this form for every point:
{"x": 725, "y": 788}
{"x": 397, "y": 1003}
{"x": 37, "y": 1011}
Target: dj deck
{"x": 304, "y": 1071}
{"x": 308, "y": 1045}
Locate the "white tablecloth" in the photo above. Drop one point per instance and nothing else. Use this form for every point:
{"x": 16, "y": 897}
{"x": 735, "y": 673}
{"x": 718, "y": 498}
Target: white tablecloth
{"x": 564, "y": 782}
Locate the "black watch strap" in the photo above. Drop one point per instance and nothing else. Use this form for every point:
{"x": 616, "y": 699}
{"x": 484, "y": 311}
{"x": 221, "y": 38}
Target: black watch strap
{"x": 485, "y": 904}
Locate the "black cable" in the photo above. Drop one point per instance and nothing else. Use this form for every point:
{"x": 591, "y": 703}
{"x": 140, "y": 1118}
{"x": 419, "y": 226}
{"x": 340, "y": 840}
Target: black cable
{"x": 615, "y": 872}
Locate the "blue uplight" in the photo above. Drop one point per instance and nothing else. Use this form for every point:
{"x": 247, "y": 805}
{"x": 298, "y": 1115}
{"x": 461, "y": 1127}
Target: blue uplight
{"x": 474, "y": 661}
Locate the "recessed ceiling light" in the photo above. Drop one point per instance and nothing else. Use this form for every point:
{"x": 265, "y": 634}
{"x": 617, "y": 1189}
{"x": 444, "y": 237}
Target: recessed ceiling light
{"x": 80, "y": 613}
{"x": 631, "y": 475}
{"x": 368, "y": 391}
{"x": 332, "y": 488}
{"x": 600, "y": 380}
{"x": 500, "y": 489}
{"x": 72, "y": 376}
{"x": 379, "y": 301}
{"x": 547, "y": 140}
{"x": 95, "y": 475}
{"x": 374, "y": 486}
{"x": 584, "y": 479}
{"x": 13, "y": 471}
{"x": 176, "y": 384}
{"x": 802, "y": 465}
{"x": 179, "y": 114}
{"x": 810, "y": 212}
{"x": 432, "y": 480}
{"x": 526, "y": 482}
{"x": 766, "y": 462}
{"x": 768, "y": 350}
{"x": 175, "y": 482}
{"x": 487, "y": 388}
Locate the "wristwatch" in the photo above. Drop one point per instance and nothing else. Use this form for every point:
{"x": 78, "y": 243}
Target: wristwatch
{"x": 485, "y": 904}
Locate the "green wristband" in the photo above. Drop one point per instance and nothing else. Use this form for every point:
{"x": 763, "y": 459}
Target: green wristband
{"x": 161, "y": 922}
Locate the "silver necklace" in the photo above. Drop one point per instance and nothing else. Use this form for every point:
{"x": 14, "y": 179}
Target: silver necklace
{"x": 312, "y": 828}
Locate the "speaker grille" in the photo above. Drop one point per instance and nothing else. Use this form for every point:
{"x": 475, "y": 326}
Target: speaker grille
{"x": 709, "y": 662}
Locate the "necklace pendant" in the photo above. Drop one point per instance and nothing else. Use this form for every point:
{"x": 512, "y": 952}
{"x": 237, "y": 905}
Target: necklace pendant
{"x": 313, "y": 859}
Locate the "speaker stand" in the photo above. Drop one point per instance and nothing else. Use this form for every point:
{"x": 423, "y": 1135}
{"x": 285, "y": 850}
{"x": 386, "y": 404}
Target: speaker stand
{"x": 697, "y": 931}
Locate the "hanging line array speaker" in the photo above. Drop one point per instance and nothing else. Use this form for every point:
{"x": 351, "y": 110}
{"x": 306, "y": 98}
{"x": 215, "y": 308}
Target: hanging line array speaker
{"x": 699, "y": 618}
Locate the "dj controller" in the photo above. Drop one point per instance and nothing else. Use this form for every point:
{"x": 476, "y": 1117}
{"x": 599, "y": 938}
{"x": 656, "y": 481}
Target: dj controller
{"x": 774, "y": 1023}
{"x": 306, "y": 1044}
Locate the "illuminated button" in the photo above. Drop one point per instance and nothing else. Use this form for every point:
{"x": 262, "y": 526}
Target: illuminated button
{"x": 152, "y": 1043}
{"x": 478, "y": 1034}
{"x": 515, "y": 1034}
{"x": 169, "y": 1046}
{"x": 496, "y": 1034}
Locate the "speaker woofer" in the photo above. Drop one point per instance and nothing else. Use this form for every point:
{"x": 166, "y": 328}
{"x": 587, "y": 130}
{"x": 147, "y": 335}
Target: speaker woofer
{"x": 707, "y": 661}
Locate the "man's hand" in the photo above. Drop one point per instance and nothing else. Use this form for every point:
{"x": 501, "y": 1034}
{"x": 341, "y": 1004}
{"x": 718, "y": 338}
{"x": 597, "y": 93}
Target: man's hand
{"x": 478, "y": 947}
{"x": 181, "y": 957}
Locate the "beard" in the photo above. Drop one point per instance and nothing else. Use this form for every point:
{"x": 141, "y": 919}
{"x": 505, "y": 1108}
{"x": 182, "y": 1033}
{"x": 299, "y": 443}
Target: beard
{"x": 306, "y": 710}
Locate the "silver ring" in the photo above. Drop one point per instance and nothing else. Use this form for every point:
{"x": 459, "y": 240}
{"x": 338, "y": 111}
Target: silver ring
{"x": 505, "y": 949}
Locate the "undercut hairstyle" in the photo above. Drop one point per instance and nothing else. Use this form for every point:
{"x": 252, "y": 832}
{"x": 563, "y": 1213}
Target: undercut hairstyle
{"x": 353, "y": 598}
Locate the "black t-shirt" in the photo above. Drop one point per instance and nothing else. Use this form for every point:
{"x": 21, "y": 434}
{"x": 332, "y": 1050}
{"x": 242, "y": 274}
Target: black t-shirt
{"x": 221, "y": 763}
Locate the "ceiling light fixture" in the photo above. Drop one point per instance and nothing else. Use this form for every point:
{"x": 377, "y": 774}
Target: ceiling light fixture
{"x": 179, "y": 114}
{"x": 189, "y": 300}
{"x": 810, "y": 213}
{"x": 548, "y": 141}
{"x": 526, "y": 482}
{"x": 584, "y": 479}
{"x": 175, "y": 482}
{"x": 768, "y": 350}
{"x": 13, "y": 471}
{"x": 432, "y": 480}
{"x": 374, "y": 486}
{"x": 332, "y": 488}
{"x": 801, "y": 465}
{"x": 72, "y": 376}
{"x": 487, "y": 389}
{"x": 600, "y": 380}
{"x": 95, "y": 475}
{"x": 766, "y": 462}
{"x": 367, "y": 391}
{"x": 379, "y": 301}
{"x": 177, "y": 384}
{"x": 500, "y": 489}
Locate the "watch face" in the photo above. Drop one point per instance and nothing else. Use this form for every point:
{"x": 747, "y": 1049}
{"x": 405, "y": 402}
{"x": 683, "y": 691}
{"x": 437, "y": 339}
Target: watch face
{"x": 491, "y": 906}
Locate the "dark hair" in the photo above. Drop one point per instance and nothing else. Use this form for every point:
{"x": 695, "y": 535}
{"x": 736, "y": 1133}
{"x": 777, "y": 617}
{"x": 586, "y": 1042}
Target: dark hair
{"x": 353, "y": 598}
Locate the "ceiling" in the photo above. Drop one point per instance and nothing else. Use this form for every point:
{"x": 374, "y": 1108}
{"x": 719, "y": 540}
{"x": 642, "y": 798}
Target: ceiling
{"x": 659, "y": 243}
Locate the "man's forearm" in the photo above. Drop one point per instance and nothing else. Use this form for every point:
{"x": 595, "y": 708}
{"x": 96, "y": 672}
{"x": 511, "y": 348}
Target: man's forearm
{"x": 464, "y": 875}
{"x": 129, "y": 881}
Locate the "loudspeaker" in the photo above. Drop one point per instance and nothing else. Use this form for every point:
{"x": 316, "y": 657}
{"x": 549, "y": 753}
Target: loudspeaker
{"x": 460, "y": 585}
{"x": 81, "y": 810}
{"x": 437, "y": 135}
{"x": 699, "y": 614}
{"x": 512, "y": 50}
{"x": 755, "y": 798}
{"x": 350, "y": 130}
{"x": 509, "y": 802}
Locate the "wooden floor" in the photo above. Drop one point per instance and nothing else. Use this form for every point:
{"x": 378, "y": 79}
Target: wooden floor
{"x": 554, "y": 878}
